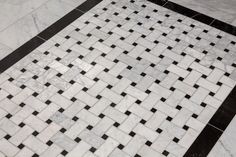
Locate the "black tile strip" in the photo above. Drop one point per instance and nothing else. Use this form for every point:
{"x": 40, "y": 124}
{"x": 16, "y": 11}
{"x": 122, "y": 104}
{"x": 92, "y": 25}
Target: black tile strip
{"x": 196, "y": 16}
{"x": 86, "y": 6}
{"x": 19, "y": 53}
{"x": 204, "y": 143}
{"x": 46, "y": 34}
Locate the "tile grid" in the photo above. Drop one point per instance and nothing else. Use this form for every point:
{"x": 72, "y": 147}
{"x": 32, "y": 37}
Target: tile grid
{"x": 138, "y": 80}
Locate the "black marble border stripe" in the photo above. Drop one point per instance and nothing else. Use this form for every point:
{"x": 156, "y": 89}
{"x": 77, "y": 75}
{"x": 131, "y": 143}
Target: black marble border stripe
{"x": 196, "y": 16}
{"x": 223, "y": 116}
{"x": 46, "y": 34}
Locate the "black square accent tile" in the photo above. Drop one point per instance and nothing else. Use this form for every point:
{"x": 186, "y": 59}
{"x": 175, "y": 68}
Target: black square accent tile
{"x": 169, "y": 48}
{"x": 125, "y": 52}
{"x": 63, "y": 130}
{"x": 72, "y": 82}
{"x": 172, "y": 89}
{"x": 152, "y": 65}
{"x": 35, "y": 155}
{"x": 8, "y": 116}
{"x": 157, "y": 81}
{"x": 77, "y": 139}
{"x": 96, "y": 79}
{"x": 137, "y": 155}
{"x": 203, "y": 104}
{"x": 143, "y": 74}
{"x": 132, "y": 134}
{"x": 21, "y": 125}
{"x": 89, "y": 127}
{"x": 101, "y": 115}
{"x": 11, "y": 79}
{"x": 7, "y": 137}
{"x": 123, "y": 94}
{"x": 109, "y": 86}
{"x": 61, "y": 110}
{"x": 87, "y": 107}
{"x": 148, "y": 143}
{"x": 46, "y": 68}
{"x": 197, "y": 60}
{"x": 194, "y": 115}
{"x": 92, "y": 149}
{"x": 116, "y": 61}
{"x": 180, "y": 78}
{"x": 35, "y": 113}
{"x": 85, "y": 89}
{"x": 21, "y": 146}
{"x": 106, "y": 70}
{"x": 178, "y": 107}
{"x": 142, "y": 121}
{"x": 116, "y": 124}
{"x": 98, "y": 96}
{"x": 219, "y": 83}
{"x": 159, "y": 130}
{"x": 204, "y": 76}
{"x": 211, "y": 94}
{"x": 166, "y": 153}
{"x": 64, "y": 153}
{"x": 169, "y": 118}
{"x": 133, "y": 84}
{"x": 82, "y": 72}
{"x": 49, "y": 143}
{"x": 176, "y": 140}
{"x": 183, "y": 54}
{"x": 187, "y": 96}
{"x": 47, "y": 84}
{"x": 104, "y": 136}
{"x": 138, "y": 58}
{"x": 35, "y": 94}
{"x": 163, "y": 99}
{"x": 22, "y": 86}
{"x": 120, "y": 146}
{"x": 138, "y": 102}
{"x": 59, "y": 75}
{"x": 103, "y": 54}
{"x": 35, "y": 133}
{"x": 49, "y": 121}
{"x": 153, "y": 110}
{"x": 9, "y": 96}
{"x": 161, "y": 56}
{"x": 185, "y": 127}
{"x": 196, "y": 86}
{"x": 48, "y": 102}
{"x": 22, "y": 104}
{"x": 60, "y": 91}
{"x": 68, "y": 50}
{"x": 227, "y": 74}
{"x": 119, "y": 77}
{"x": 127, "y": 113}
{"x": 75, "y": 118}
{"x": 148, "y": 91}
{"x": 23, "y": 70}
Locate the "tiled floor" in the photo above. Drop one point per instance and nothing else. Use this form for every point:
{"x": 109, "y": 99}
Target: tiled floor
{"x": 127, "y": 78}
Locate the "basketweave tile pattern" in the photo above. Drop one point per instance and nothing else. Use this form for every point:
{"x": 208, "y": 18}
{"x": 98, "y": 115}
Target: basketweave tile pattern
{"x": 128, "y": 78}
